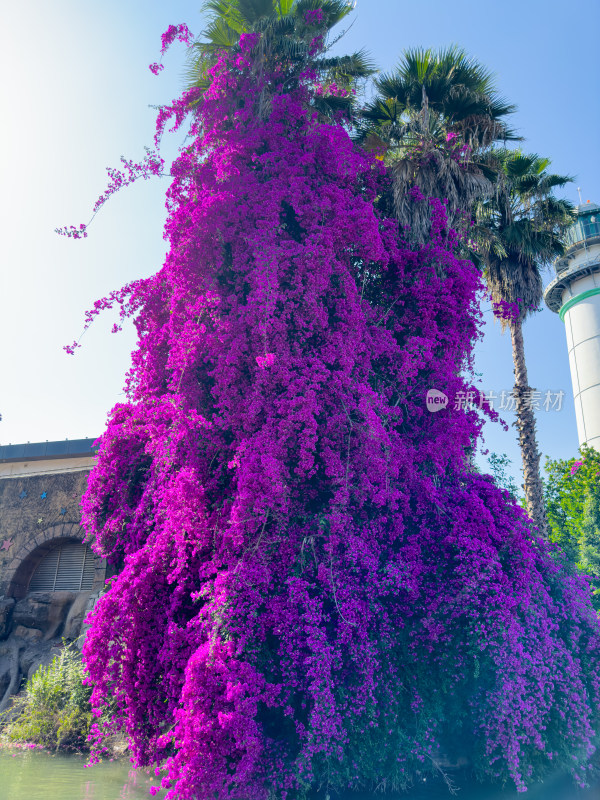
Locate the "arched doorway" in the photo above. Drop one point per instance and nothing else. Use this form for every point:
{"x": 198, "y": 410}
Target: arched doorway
{"x": 56, "y": 560}
{"x": 68, "y": 566}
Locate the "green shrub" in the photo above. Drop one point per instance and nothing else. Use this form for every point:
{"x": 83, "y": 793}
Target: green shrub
{"x": 54, "y": 710}
{"x": 500, "y": 466}
{"x": 572, "y": 497}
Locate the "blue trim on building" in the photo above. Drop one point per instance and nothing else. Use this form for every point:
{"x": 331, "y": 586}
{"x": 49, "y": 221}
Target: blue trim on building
{"x": 38, "y": 451}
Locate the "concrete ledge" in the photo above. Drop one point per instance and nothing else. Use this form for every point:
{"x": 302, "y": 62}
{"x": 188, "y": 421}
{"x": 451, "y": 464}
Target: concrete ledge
{"x": 20, "y": 469}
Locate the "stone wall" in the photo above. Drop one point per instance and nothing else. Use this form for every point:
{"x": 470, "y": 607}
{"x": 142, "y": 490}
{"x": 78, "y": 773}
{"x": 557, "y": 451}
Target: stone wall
{"x": 35, "y": 510}
{"x": 37, "y": 513}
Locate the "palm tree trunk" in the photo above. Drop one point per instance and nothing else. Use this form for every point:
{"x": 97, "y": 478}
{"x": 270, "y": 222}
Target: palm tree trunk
{"x": 525, "y": 423}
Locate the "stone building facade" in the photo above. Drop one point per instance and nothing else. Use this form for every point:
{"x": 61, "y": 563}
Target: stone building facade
{"x": 49, "y": 578}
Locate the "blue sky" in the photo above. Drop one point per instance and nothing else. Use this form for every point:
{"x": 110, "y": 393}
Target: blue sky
{"x": 76, "y": 95}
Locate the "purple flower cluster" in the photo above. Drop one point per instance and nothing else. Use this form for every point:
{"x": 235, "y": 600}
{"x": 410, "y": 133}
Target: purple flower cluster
{"x": 331, "y": 90}
{"x": 315, "y": 589}
{"x": 179, "y": 32}
{"x": 511, "y": 311}
{"x": 119, "y": 297}
{"x": 151, "y": 165}
{"x": 314, "y": 17}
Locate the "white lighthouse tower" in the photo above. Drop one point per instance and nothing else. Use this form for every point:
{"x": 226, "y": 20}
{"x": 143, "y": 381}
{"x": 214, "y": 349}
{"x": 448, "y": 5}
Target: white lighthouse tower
{"x": 575, "y": 296}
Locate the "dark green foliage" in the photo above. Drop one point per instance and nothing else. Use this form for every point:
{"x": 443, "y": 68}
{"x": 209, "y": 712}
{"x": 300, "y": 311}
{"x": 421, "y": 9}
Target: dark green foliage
{"x": 520, "y": 229}
{"x": 499, "y": 465}
{"x": 433, "y": 120}
{"x": 287, "y": 38}
{"x": 460, "y": 94}
{"x": 590, "y": 540}
{"x": 54, "y": 709}
{"x": 573, "y": 508}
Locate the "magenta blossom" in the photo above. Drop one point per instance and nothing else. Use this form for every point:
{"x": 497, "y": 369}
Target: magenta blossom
{"x": 314, "y": 588}
{"x": 265, "y": 361}
{"x": 179, "y": 32}
{"x": 314, "y": 17}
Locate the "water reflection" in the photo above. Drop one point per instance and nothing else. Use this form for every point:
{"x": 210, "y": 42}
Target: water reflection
{"x": 37, "y": 775}
{"x": 556, "y": 787}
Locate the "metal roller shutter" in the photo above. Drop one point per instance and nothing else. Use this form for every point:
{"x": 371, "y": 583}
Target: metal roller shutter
{"x": 69, "y": 566}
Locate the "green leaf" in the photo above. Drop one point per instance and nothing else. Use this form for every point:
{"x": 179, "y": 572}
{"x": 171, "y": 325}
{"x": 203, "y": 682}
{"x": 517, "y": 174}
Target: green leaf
{"x": 334, "y": 10}
{"x": 356, "y": 65}
{"x": 284, "y": 7}
{"x": 253, "y": 10}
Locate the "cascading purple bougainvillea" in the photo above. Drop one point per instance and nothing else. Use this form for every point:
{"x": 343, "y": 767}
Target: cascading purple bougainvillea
{"x": 317, "y": 591}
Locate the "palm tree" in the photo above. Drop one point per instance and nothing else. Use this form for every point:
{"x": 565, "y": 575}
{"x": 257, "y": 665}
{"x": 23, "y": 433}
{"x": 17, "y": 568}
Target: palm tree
{"x": 432, "y": 120}
{"x": 294, "y": 35}
{"x": 520, "y": 231}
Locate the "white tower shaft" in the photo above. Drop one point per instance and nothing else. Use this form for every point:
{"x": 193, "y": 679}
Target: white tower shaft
{"x": 575, "y": 295}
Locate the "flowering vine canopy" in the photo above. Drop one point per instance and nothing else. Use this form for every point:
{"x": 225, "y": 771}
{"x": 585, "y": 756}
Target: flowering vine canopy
{"x": 316, "y": 592}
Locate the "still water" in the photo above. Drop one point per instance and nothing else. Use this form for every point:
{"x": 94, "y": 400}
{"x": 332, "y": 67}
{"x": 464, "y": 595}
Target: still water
{"x": 38, "y": 775}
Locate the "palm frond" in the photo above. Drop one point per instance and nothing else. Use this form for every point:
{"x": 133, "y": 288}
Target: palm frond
{"x": 558, "y": 210}
{"x": 221, "y": 8}
{"x": 286, "y": 34}
{"x": 293, "y": 49}
{"x": 460, "y": 185}
{"x": 454, "y": 61}
{"x": 334, "y": 11}
{"x": 276, "y": 26}
{"x": 284, "y": 7}
{"x": 417, "y": 65}
{"x": 225, "y": 10}
{"x": 355, "y": 65}
{"x": 549, "y": 182}
{"x": 329, "y": 104}
{"x": 220, "y": 34}
{"x": 458, "y": 92}
{"x": 518, "y": 165}
{"x": 530, "y": 223}
{"x": 382, "y": 112}
{"x": 251, "y": 11}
